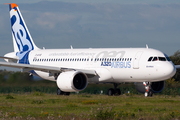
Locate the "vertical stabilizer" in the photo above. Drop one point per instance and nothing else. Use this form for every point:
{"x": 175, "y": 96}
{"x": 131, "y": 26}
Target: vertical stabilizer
{"x": 22, "y": 39}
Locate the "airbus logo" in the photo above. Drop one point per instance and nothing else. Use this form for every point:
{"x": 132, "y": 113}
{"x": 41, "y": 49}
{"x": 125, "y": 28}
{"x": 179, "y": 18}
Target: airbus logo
{"x": 117, "y": 64}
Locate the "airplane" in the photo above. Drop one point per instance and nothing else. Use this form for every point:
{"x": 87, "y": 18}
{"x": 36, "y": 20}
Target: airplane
{"x": 73, "y": 69}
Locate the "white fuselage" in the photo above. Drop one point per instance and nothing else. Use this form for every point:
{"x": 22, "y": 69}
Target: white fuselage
{"x": 111, "y": 65}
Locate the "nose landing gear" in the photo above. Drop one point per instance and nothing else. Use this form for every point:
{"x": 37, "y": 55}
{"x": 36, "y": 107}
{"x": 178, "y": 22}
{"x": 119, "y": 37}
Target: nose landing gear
{"x": 148, "y": 92}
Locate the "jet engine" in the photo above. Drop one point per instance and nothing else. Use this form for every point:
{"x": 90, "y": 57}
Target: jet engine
{"x": 72, "y": 81}
{"x": 156, "y": 87}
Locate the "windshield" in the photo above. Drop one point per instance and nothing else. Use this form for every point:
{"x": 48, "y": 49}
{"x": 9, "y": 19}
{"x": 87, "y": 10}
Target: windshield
{"x": 167, "y": 57}
{"x": 155, "y": 58}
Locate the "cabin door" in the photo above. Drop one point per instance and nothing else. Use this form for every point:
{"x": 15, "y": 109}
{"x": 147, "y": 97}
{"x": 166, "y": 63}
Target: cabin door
{"x": 136, "y": 60}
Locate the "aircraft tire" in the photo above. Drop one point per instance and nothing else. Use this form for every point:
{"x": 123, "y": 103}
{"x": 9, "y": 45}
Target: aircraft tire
{"x": 111, "y": 92}
{"x": 67, "y": 93}
{"x": 59, "y": 92}
{"x": 118, "y": 91}
{"x": 150, "y": 93}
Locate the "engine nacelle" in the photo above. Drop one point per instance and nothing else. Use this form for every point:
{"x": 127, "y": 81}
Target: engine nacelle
{"x": 156, "y": 87}
{"x": 72, "y": 81}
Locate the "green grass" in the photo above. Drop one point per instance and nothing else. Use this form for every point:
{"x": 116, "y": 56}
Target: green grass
{"x": 84, "y": 106}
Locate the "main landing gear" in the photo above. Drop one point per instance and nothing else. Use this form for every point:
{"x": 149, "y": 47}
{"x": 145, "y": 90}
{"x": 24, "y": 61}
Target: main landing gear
{"x": 59, "y": 92}
{"x": 114, "y": 91}
{"x": 148, "y": 92}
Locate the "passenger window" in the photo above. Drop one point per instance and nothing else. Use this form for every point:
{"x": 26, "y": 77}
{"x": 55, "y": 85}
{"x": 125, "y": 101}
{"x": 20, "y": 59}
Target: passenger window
{"x": 155, "y": 59}
{"x": 150, "y": 58}
{"x": 162, "y": 58}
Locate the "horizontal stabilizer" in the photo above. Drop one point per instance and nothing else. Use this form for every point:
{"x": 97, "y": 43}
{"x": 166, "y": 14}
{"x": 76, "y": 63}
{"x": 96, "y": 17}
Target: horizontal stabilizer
{"x": 9, "y": 58}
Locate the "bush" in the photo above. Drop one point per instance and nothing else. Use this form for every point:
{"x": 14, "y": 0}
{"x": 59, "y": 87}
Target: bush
{"x": 9, "y": 97}
{"x": 103, "y": 113}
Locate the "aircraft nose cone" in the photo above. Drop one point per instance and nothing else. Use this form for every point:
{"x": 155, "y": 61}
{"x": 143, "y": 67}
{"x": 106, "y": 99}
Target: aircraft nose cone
{"x": 170, "y": 70}
{"x": 166, "y": 70}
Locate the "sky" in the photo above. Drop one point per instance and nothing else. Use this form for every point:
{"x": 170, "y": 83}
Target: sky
{"x": 97, "y": 24}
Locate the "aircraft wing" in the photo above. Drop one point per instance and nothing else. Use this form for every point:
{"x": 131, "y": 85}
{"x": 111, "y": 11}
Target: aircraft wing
{"x": 28, "y": 67}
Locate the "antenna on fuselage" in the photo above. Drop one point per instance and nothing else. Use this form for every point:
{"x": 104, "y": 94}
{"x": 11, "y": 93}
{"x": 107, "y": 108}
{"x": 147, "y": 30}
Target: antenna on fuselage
{"x": 71, "y": 47}
{"x": 147, "y": 46}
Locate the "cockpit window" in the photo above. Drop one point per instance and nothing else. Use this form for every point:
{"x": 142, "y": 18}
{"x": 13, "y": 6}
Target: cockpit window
{"x": 150, "y": 58}
{"x": 155, "y": 59}
{"x": 167, "y": 57}
{"x": 162, "y": 58}
{"x": 158, "y": 59}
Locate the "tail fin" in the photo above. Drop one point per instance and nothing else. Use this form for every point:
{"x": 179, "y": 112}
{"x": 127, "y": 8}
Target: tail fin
{"x": 22, "y": 40}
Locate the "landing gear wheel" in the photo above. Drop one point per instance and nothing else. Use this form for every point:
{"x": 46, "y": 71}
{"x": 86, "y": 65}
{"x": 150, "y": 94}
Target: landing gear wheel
{"x": 118, "y": 91}
{"x": 59, "y": 92}
{"x": 146, "y": 94}
{"x": 150, "y": 93}
{"x": 111, "y": 92}
{"x": 67, "y": 93}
